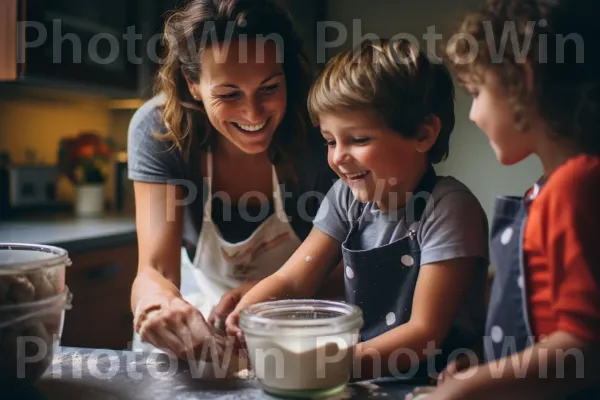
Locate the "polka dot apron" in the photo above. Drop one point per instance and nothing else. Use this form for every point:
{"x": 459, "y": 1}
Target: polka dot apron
{"x": 508, "y": 328}
{"x": 382, "y": 280}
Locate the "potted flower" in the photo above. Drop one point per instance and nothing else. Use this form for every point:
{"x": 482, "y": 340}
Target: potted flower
{"x": 85, "y": 159}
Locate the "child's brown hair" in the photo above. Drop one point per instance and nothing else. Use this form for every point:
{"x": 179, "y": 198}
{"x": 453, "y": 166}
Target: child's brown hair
{"x": 396, "y": 80}
{"x": 551, "y": 35}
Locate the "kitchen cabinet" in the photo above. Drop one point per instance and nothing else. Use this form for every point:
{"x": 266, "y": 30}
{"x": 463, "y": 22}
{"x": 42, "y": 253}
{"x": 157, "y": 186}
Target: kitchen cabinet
{"x": 105, "y": 47}
{"x": 86, "y": 42}
{"x": 100, "y": 280}
{"x": 93, "y": 46}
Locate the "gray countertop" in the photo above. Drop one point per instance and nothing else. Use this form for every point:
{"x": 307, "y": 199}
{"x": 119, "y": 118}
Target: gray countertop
{"x": 73, "y": 234}
{"x": 96, "y": 374}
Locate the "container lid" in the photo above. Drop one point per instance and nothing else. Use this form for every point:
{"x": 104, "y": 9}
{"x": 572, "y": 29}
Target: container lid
{"x": 300, "y": 318}
{"x": 23, "y": 257}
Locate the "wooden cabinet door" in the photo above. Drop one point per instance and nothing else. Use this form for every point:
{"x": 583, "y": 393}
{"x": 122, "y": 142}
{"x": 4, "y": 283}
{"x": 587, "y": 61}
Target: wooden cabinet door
{"x": 101, "y": 282}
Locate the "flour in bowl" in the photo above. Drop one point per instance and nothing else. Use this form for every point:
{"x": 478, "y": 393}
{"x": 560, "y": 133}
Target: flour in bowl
{"x": 296, "y": 365}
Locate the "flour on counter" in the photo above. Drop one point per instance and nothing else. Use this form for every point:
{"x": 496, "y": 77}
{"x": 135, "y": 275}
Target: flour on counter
{"x": 372, "y": 388}
{"x": 68, "y": 358}
{"x": 150, "y": 361}
{"x": 244, "y": 374}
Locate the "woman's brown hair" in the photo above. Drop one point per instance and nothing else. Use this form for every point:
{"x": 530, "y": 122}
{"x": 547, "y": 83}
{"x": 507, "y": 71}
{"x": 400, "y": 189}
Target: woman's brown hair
{"x": 557, "y": 39}
{"x": 200, "y": 22}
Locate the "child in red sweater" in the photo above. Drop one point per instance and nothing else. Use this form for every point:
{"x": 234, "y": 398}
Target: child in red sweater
{"x": 539, "y": 95}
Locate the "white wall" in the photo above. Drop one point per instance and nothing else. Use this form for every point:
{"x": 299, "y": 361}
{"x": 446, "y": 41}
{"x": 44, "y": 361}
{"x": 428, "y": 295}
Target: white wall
{"x": 471, "y": 158}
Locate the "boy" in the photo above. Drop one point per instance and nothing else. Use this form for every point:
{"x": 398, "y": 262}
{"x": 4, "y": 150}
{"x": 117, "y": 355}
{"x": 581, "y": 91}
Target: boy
{"x": 413, "y": 244}
{"x": 543, "y": 324}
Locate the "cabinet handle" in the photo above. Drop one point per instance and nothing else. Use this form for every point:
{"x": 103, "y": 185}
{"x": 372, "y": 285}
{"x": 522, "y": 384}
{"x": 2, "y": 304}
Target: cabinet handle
{"x": 105, "y": 271}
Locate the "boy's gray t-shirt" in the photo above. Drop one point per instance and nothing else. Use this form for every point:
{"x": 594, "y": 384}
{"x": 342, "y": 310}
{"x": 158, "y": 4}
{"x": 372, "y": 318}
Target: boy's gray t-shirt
{"x": 454, "y": 225}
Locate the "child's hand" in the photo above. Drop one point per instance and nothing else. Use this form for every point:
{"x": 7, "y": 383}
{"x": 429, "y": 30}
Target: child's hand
{"x": 227, "y": 304}
{"x": 232, "y": 328}
{"x": 232, "y": 323}
{"x": 460, "y": 364}
{"x": 433, "y": 393}
{"x": 222, "y": 310}
{"x": 454, "y": 368}
{"x": 419, "y": 393}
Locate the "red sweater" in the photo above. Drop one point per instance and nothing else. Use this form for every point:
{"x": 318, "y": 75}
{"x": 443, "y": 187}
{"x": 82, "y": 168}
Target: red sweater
{"x": 562, "y": 252}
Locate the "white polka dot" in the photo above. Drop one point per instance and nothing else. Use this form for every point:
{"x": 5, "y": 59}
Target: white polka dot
{"x": 535, "y": 191}
{"x": 349, "y": 273}
{"x": 520, "y": 281}
{"x": 407, "y": 260}
{"x": 506, "y": 236}
{"x": 497, "y": 334}
{"x": 308, "y": 259}
{"x": 390, "y": 318}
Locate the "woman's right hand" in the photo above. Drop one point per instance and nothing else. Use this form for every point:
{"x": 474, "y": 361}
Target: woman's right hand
{"x": 173, "y": 325}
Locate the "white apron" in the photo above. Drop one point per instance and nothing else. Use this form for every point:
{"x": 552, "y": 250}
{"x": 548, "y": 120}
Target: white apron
{"x": 220, "y": 266}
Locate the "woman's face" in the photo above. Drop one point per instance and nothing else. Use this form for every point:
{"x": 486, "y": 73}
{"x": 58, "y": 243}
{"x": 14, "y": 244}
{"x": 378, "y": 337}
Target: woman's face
{"x": 243, "y": 89}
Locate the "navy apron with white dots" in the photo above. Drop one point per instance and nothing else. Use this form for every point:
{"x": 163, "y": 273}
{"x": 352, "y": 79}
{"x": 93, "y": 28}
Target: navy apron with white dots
{"x": 381, "y": 281}
{"x": 508, "y": 328}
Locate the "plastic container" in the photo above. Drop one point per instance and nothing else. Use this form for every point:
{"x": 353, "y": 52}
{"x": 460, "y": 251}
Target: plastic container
{"x": 302, "y": 348}
{"x": 33, "y": 300}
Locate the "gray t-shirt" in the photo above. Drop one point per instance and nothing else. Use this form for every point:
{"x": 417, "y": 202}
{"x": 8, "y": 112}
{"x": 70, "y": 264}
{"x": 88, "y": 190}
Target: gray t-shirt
{"x": 454, "y": 225}
{"x": 153, "y": 160}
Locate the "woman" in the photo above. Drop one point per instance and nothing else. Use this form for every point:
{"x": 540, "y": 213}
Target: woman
{"x": 223, "y": 162}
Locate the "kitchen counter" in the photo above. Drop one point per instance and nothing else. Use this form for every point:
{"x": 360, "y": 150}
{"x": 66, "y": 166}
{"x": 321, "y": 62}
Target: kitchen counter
{"x": 70, "y": 233}
{"x": 95, "y": 374}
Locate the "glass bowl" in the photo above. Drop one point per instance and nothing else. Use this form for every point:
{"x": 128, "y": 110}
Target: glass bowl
{"x": 33, "y": 300}
{"x": 301, "y": 348}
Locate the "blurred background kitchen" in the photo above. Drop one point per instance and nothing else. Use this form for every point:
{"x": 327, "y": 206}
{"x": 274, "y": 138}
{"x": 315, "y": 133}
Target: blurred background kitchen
{"x": 54, "y": 100}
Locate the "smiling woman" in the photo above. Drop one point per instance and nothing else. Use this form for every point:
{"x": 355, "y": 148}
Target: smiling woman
{"x": 244, "y": 101}
{"x": 213, "y": 156}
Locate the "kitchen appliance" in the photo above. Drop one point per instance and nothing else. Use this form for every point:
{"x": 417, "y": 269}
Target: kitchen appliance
{"x": 4, "y": 185}
{"x": 123, "y": 190}
{"x": 28, "y": 188}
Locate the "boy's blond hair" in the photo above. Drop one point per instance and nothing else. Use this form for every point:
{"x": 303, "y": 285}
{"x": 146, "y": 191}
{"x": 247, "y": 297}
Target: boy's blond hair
{"x": 394, "y": 79}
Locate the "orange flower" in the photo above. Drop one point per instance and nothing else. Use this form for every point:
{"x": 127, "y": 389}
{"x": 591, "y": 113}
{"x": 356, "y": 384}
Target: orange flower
{"x": 86, "y": 151}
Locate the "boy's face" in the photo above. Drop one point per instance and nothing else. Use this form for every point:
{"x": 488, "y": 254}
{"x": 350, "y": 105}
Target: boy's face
{"x": 376, "y": 162}
{"x": 492, "y": 113}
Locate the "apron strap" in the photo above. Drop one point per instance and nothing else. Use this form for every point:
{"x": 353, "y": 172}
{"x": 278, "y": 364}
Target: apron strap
{"x": 277, "y": 200}
{"x": 209, "y": 177}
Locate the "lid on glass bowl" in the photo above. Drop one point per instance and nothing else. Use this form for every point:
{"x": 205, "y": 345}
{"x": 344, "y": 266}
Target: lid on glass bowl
{"x": 300, "y": 318}
{"x": 25, "y": 257}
